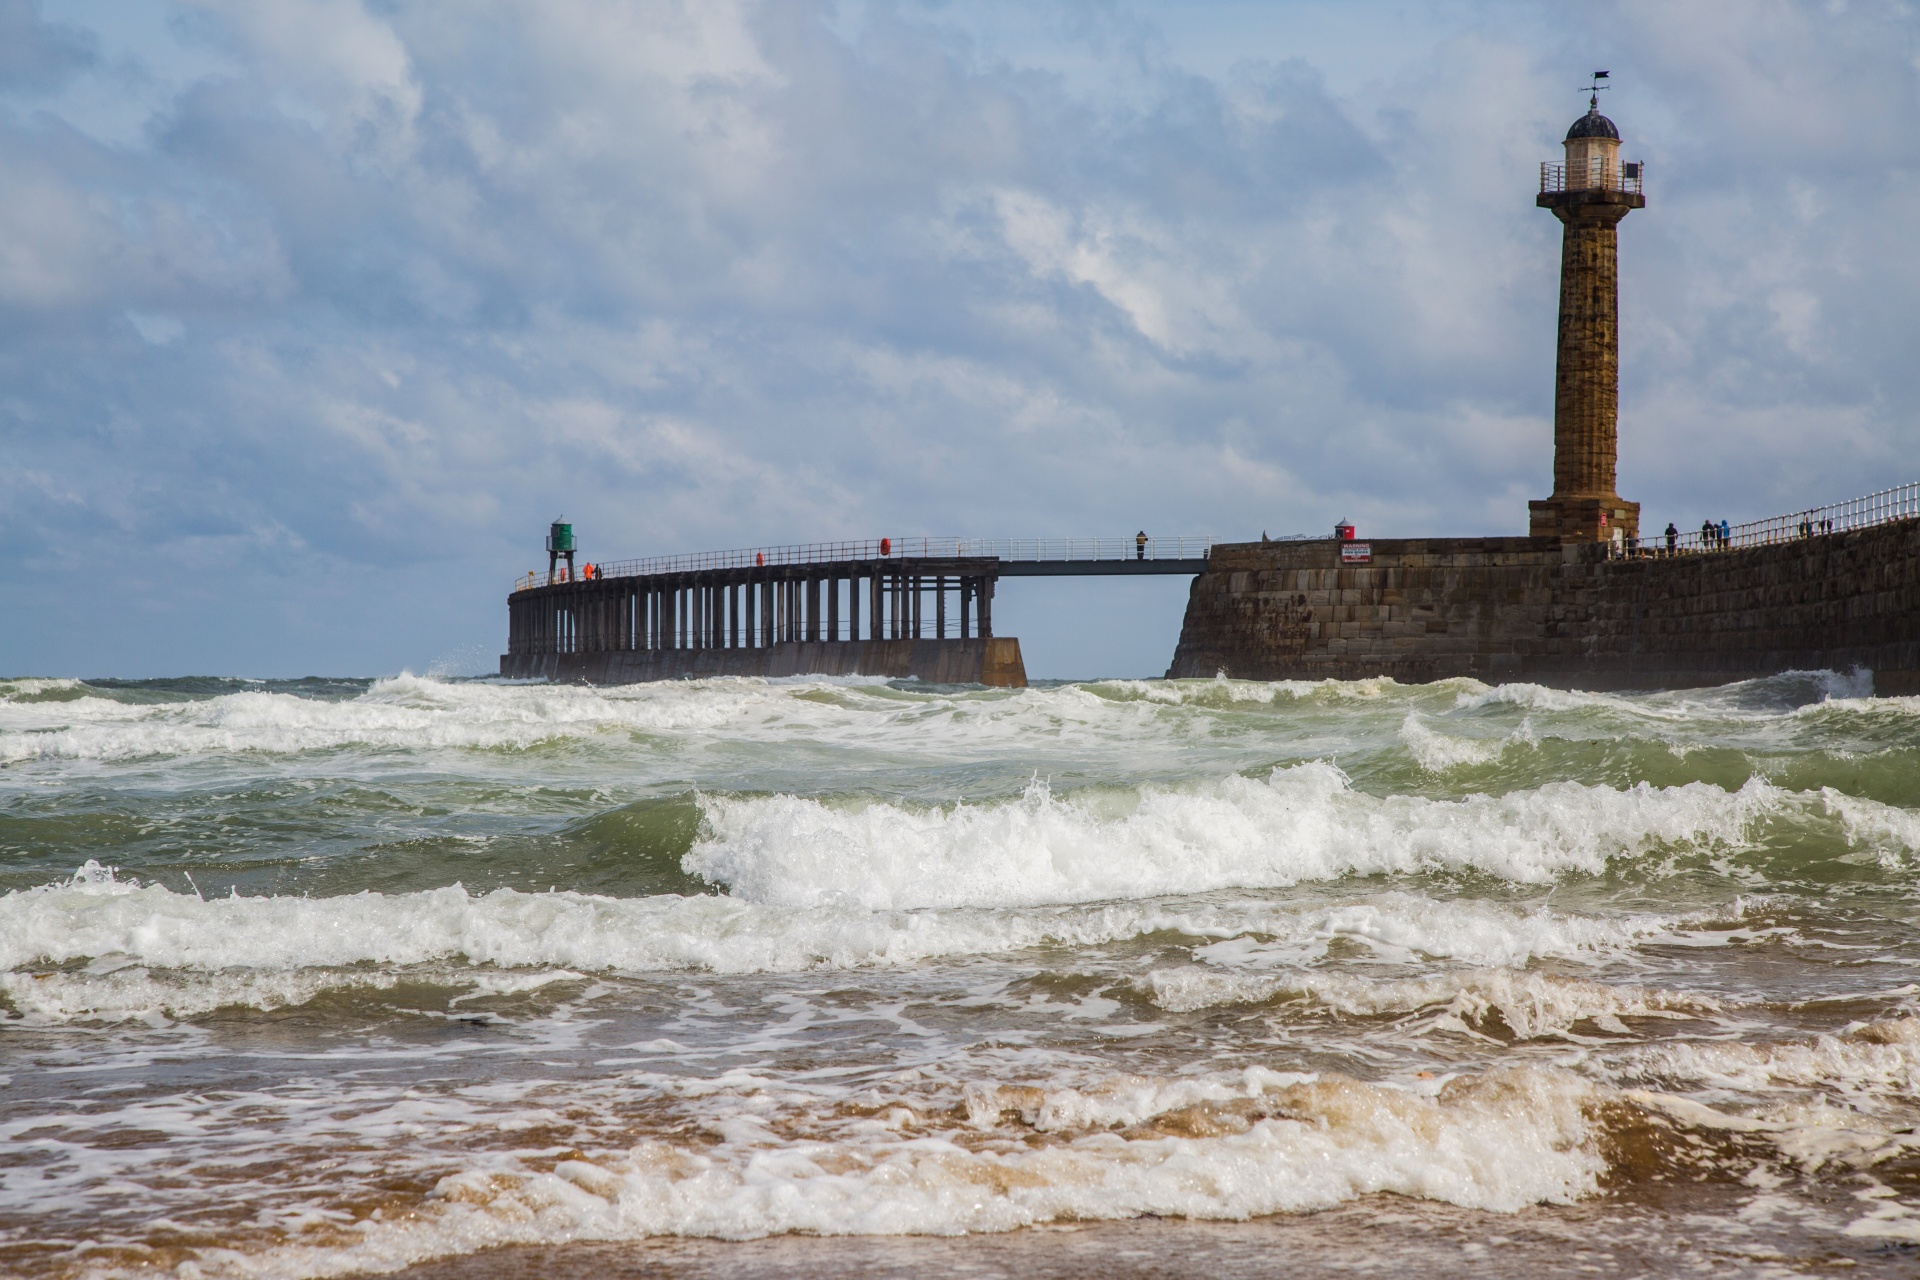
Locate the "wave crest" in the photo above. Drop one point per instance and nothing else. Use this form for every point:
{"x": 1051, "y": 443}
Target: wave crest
{"x": 1304, "y": 822}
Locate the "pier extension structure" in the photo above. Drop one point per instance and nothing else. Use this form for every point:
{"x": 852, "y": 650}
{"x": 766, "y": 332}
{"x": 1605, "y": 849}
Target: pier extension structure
{"x": 895, "y": 607}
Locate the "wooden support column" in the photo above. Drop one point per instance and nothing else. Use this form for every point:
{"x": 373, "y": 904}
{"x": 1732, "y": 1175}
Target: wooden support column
{"x": 876, "y": 607}
{"x": 986, "y": 608}
{"x": 833, "y": 606}
{"x": 853, "y": 607}
{"x": 940, "y": 608}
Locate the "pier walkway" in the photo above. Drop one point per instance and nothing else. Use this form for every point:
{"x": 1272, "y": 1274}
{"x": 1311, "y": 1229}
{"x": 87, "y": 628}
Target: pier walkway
{"x": 879, "y": 590}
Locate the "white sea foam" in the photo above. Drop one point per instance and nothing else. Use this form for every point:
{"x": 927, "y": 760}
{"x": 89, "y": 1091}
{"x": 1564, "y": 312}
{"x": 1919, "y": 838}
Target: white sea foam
{"x": 1890, "y": 832}
{"x": 1404, "y": 927}
{"x": 1262, "y": 1143}
{"x": 25, "y": 687}
{"x": 137, "y": 993}
{"x": 1730, "y": 703}
{"x": 1531, "y": 1005}
{"x": 1439, "y": 752}
{"x": 1301, "y": 823}
{"x": 417, "y": 712}
{"x": 97, "y": 915}
{"x": 1877, "y": 1058}
{"x": 1224, "y": 691}
{"x": 406, "y": 712}
{"x": 159, "y": 953}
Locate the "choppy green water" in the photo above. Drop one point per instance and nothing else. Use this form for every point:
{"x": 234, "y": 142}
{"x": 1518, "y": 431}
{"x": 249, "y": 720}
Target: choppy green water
{"x": 329, "y": 975}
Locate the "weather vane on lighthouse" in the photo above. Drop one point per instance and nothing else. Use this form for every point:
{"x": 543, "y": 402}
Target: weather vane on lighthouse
{"x": 1593, "y": 90}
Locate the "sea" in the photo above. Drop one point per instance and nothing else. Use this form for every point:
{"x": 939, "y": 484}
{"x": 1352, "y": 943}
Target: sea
{"x": 845, "y": 977}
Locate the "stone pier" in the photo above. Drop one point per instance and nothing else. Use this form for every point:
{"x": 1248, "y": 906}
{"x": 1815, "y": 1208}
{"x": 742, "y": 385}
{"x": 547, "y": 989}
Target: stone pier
{"x": 1559, "y": 613}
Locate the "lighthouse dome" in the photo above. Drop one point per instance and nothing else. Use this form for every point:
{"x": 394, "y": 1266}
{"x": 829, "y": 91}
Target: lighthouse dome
{"x": 1593, "y": 125}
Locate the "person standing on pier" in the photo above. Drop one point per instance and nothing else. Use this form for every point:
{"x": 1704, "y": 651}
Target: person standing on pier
{"x": 1140, "y": 545}
{"x": 1673, "y": 536}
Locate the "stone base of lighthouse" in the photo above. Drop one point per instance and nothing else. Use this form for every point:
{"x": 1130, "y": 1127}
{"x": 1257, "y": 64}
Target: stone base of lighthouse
{"x": 1599, "y": 518}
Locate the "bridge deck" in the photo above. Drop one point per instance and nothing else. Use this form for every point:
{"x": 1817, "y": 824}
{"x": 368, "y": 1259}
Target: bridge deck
{"x": 1096, "y": 568}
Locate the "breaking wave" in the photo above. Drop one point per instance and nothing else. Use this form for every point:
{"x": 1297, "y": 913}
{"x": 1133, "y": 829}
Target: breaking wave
{"x": 1234, "y": 1147}
{"x": 1300, "y": 823}
{"x": 152, "y": 952}
{"x": 1529, "y": 1005}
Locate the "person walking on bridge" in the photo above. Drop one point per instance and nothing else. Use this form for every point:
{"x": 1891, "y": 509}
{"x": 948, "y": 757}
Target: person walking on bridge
{"x": 1140, "y": 545}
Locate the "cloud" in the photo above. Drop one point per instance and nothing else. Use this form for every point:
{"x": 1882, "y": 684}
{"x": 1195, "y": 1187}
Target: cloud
{"x": 36, "y": 54}
{"x": 373, "y": 292}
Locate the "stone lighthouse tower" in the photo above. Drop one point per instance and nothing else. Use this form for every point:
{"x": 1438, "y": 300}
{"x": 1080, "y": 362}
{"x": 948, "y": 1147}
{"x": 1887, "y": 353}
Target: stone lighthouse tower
{"x": 1590, "y": 193}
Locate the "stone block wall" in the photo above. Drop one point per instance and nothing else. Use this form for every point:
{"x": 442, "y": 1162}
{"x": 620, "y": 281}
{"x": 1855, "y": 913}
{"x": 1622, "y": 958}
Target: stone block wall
{"x": 1558, "y": 613}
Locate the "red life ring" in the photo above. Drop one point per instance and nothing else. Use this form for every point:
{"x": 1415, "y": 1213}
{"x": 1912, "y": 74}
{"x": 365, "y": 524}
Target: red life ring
{"x": 886, "y": 546}
{"x": 759, "y": 558}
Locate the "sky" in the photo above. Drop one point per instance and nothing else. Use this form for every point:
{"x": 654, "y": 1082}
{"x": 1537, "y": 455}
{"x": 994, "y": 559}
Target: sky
{"x": 314, "y": 313}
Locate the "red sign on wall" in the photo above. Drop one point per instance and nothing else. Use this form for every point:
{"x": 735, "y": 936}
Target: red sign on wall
{"x": 1356, "y": 553}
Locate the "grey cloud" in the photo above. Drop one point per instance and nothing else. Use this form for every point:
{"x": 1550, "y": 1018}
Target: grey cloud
{"x": 37, "y": 54}
{"x": 400, "y": 283}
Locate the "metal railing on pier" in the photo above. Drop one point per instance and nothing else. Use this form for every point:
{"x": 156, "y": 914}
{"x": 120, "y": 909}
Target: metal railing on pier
{"x": 1016, "y": 549}
{"x": 1884, "y": 507}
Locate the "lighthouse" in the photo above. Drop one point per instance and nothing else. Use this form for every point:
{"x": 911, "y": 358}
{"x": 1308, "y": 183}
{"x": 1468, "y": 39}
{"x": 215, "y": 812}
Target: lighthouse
{"x": 1590, "y": 192}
